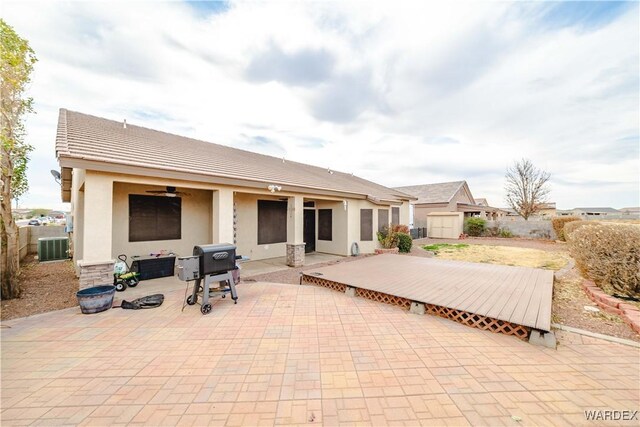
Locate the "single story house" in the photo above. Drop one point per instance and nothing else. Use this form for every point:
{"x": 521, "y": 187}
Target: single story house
{"x": 442, "y": 207}
{"x": 547, "y": 210}
{"x": 599, "y": 212}
{"x": 632, "y": 212}
{"x": 137, "y": 191}
{"x": 490, "y": 212}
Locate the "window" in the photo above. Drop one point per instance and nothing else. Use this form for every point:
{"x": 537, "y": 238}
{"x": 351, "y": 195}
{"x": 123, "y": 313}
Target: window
{"x": 325, "y": 224}
{"x": 383, "y": 219}
{"x": 366, "y": 224}
{"x": 395, "y": 216}
{"x": 272, "y": 222}
{"x": 154, "y": 218}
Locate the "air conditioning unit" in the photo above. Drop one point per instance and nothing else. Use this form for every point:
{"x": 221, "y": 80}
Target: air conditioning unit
{"x": 53, "y": 248}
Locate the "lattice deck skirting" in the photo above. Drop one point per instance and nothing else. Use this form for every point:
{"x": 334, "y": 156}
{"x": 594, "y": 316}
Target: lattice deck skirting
{"x": 314, "y": 280}
{"x": 469, "y": 319}
{"x": 479, "y": 321}
{"x": 384, "y": 298}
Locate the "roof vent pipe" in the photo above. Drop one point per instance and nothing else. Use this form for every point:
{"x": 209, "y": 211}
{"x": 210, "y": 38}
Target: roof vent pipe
{"x": 124, "y": 124}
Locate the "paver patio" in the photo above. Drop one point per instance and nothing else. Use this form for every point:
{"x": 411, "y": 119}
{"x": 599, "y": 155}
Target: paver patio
{"x": 290, "y": 354}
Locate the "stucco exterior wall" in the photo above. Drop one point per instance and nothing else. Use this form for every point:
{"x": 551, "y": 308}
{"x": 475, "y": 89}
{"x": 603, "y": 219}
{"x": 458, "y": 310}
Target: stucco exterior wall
{"x": 353, "y": 217}
{"x": 247, "y": 228}
{"x": 339, "y": 222}
{"x": 195, "y": 229}
{"x": 420, "y": 213}
{"x": 461, "y": 196}
{"x": 404, "y": 213}
{"x": 209, "y": 213}
{"x": 77, "y": 213}
{"x": 97, "y": 221}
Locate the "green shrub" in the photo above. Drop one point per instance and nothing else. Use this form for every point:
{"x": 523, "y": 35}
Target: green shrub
{"x": 505, "y": 233}
{"x": 388, "y": 240}
{"x": 491, "y": 231}
{"x": 558, "y": 224}
{"x": 436, "y": 247}
{"x": 608, "y": 254}
{"x": 474, "y": 226}
{"x": 404, "y": 242}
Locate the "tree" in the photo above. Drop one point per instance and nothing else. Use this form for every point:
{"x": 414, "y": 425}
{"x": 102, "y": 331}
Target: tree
{"x": 16, "y": 64}
{"x": 527, "y": 188}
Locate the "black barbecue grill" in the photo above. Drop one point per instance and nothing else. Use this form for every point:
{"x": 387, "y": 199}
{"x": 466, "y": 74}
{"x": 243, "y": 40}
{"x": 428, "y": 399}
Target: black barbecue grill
{"x": 209, "y": 264}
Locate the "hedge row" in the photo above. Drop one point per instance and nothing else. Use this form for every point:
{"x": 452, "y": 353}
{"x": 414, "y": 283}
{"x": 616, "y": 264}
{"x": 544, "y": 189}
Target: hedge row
{"x": 558, "y": 224}
{"x": 608, "y": 254}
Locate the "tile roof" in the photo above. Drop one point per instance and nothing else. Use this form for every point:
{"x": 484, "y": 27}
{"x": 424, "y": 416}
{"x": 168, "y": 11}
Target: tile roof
{"x": 441, "y": 192}
{"x": 481, "y": 202}
{"x": 82, "y": 136}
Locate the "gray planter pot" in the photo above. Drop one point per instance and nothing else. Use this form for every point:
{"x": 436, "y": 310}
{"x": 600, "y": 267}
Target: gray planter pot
{"x": 96, "y": 299}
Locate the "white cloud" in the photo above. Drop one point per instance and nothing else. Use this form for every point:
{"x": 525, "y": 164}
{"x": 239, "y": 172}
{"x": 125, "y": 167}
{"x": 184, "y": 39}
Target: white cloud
{"x": 400, "y": 94}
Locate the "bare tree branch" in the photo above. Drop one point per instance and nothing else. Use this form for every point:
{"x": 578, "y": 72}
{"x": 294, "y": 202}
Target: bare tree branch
{"x": 527, "y": 188}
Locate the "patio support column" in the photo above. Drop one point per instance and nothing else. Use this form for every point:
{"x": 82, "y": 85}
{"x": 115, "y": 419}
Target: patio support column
{"x": 96, "y": 266}
{"x": 295, "y": 231}
{"x": 222, "y": 216}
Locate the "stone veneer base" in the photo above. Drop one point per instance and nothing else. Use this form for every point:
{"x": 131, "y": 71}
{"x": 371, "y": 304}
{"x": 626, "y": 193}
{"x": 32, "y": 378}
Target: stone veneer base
{"x": 295, "y": 255}
{"x": 95, "y": 273}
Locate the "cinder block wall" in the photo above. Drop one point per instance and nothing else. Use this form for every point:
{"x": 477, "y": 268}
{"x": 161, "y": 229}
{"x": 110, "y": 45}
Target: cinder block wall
{"x": 521, "y": 228}
{"x": 23, "y": 241}
{"x": 43, "y": 231}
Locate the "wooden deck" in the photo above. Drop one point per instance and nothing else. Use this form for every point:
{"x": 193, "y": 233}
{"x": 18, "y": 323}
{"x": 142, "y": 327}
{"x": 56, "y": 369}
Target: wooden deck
{"x": 518, "y": 295}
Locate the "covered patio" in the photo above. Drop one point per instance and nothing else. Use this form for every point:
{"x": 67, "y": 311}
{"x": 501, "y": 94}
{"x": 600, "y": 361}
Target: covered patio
{"x": 247, "y": 269}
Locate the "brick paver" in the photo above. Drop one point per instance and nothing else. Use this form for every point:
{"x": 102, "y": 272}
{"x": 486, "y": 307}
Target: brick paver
{"x": 290, "y": 354}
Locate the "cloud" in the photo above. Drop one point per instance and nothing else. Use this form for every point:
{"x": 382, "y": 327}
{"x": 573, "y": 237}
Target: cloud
{"x": 401, "y": 94}
{"x": 301, "y": 68}
{"x": 344, "y": 98}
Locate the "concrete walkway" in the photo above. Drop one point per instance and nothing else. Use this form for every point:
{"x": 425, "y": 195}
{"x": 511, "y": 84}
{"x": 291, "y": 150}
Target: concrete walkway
{"x": 248, "y": 269}
{"x": 252, "y": 268}
{"x": 289, "y": 354}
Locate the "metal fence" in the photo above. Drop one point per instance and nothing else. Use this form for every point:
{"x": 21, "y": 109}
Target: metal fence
{"x": 418, "y": 233}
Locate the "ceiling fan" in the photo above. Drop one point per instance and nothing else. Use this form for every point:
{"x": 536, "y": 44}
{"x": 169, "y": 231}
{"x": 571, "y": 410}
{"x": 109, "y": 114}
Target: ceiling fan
{"x": 168, "y": 192}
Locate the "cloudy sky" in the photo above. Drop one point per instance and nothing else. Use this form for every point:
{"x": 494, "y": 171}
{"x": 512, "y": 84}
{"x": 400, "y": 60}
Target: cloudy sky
{"x": 400, "y": 93}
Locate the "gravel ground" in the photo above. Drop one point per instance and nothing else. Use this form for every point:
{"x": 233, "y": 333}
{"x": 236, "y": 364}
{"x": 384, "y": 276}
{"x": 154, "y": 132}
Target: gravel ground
{"x": 543, "y": 244}
{"x": 45, "y": 287}
{"x": 569, "y": 300}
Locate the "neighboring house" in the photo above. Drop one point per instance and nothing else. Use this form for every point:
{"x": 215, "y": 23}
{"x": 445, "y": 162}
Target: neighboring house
{"x": 632, "y": 212}
{"x": 491, "y": 213}
{"x": 595, "y": 212}
{"x": 19, "y": 213}
{"x": 510, "y": 212}
{"x": 564, "y": 212}
{"x": 547, "y": 210}
{"x": 138, "y": 191}
{"x": 441, "y": 207}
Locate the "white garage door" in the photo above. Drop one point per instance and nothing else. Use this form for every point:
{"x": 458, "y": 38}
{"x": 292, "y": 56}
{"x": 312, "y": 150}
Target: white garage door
{"x": 445, "y": 225}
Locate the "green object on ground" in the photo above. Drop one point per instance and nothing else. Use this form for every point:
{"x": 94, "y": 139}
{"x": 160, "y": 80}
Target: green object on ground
{"x": 436, "y": 247}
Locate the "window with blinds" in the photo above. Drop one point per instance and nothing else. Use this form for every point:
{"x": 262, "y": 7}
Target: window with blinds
{"x": 154, "y": 218}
